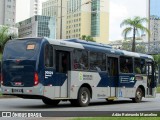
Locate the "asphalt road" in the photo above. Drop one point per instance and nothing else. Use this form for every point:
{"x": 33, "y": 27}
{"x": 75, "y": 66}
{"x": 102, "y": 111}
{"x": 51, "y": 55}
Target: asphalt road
{"x": 95, "y": 107}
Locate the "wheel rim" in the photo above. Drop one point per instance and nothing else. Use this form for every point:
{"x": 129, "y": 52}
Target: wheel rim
{"x": 139, "y": 95}
{"x": 84, "y": 97}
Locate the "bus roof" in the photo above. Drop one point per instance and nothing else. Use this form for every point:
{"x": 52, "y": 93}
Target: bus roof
{"x": 81, "y": 44}
{"x": 65, "y": 43}
{"x": 77, "y": 43}
{"x": 88, "y": 43}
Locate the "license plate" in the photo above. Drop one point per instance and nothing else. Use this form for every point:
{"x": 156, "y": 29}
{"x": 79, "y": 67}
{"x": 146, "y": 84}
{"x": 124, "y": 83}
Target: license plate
{"x": 17, "y": 90}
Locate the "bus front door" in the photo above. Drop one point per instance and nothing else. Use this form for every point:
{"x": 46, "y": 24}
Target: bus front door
{"x": 151, "y": 81}
{"x": 62, "y": 60}
{"x": 112, "y": 75}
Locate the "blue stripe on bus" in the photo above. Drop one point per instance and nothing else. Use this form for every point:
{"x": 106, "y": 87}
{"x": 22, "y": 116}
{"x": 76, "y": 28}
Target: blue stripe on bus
{"x": 111, "y": 81}
{"x": 123, "y": 80}
{"x": 104, "y": 80}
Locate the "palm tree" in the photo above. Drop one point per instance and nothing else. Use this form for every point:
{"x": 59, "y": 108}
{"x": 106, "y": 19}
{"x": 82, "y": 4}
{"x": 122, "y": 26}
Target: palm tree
{"x": 134, "y": 25}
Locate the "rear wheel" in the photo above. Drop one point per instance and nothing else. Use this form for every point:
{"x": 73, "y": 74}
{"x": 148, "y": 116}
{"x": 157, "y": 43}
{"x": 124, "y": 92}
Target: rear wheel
{"x": 138, "y": 96}
{"x": 50, "y": 102}
{"x": 83, "y": 98}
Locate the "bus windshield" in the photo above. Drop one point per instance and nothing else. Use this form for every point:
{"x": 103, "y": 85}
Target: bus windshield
{"x": 20, "y": 49}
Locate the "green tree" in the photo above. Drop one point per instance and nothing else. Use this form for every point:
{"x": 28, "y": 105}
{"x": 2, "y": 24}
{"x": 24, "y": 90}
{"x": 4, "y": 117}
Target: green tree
{"x": 83, "y": 37}
{"x": 135, "y": 26}
{"x": 127, "y": 46}
{"x": 87, "y": 38}
{"x": 157, "y": 59}
{"x": 5, "y": 36}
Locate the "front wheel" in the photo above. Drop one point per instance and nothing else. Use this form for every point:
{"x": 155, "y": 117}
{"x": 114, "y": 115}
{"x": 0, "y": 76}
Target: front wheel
{"x": 50, "y": 102}
{"x": 138, "y": 96}
{"x": 83, "y": 97}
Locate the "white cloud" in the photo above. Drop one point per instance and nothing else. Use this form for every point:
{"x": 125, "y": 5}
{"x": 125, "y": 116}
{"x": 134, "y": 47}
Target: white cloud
{"x": 122, "y": 9}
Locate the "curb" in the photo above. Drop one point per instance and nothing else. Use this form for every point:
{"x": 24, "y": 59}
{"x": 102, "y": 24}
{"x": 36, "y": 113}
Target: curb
{"x": 7, "y": 96}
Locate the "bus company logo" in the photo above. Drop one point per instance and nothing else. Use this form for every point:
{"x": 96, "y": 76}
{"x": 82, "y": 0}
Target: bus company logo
{"x": 132, "y": 79}
{"x": 80, "y": 76}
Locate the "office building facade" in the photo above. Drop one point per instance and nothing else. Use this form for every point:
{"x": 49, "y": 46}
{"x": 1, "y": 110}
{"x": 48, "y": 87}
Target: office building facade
{"x": 53, "y": 8}
{"x": 154, "y": 15}
{"x": 37, "y": 26}
{"x": 88, "y": 18}
{"x": 7, "y": 12}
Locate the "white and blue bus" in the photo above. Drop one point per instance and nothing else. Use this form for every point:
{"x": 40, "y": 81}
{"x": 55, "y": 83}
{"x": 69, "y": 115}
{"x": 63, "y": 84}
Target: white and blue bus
{"x": 75, "y": 70}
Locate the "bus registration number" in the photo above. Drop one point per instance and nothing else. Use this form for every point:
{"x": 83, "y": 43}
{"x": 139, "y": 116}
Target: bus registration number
{"x": 17, "y": 90}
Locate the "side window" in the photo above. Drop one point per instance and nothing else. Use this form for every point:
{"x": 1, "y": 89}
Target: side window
{"x": 126, "y": 65}
{"x": 140, "y": 66}
{"x": 80, "y": 60}
{"x": 97, "y": 61}
{"x": 48, "y": 56}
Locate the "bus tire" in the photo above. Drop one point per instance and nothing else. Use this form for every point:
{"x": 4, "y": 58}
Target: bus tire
{"x": 138, "y": 96}
{"x": 50, "y": 102}
{"x": 83, "y": 97}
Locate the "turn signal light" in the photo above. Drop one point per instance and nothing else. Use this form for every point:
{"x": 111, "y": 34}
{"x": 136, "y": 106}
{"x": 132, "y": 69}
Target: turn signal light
{"x": 36, "y": 78}
{"x": 1, "y": 79}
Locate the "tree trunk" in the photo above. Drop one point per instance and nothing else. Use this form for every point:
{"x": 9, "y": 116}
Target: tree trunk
{"x": 134, "y": 38}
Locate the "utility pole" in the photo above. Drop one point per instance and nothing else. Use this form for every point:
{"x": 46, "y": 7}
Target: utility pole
{"x": 61, "y": 22}
{"x": 149, "y": 14}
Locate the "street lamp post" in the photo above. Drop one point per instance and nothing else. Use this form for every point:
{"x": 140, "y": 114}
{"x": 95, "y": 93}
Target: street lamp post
{"x": 61, "y": 22}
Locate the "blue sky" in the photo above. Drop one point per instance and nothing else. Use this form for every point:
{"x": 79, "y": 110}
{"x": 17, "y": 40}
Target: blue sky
{"x": 155, "y": 7}
{"x": 122, "y": 9}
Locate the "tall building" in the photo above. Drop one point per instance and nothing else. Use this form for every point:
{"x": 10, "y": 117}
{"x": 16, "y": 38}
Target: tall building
{"x": 155, "y": 28}
{"x": 34, "y": 7}
{"x": 7, "y": 12}
{"x": 27, "y": 8}
{"x": 154, "y": 14}
{"x": 88, "y": 18}
{"x": 37, "y": 26}
{"x": 53, "y": 8}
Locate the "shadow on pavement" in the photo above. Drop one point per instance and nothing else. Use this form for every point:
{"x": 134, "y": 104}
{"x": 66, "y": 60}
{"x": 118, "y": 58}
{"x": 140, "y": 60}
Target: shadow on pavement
{"x": 68, "y": 105}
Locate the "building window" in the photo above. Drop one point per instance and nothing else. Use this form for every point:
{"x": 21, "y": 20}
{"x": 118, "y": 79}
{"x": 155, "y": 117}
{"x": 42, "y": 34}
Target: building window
{"x": 8, "y": 6}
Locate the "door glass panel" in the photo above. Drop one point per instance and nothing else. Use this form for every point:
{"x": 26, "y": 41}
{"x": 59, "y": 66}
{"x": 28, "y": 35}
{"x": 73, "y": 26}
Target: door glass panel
{"x": 48, "y": 56}
{"x": 62, "y": 61}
